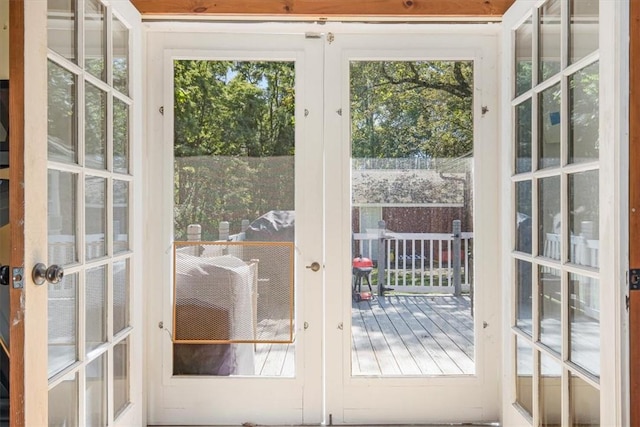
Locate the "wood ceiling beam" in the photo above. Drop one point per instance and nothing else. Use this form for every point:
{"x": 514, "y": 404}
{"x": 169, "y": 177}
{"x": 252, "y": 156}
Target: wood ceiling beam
{"x": 328, "y": 8}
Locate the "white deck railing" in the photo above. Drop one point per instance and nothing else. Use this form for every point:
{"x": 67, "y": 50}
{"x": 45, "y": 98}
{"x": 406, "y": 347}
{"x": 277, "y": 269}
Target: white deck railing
{"x": 418, "y": 262}
{"x": 413, "y": 262}
{"x": 584, "y": 252}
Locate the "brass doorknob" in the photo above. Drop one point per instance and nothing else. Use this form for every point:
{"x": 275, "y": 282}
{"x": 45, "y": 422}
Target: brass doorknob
{"x": 314, "y": 266}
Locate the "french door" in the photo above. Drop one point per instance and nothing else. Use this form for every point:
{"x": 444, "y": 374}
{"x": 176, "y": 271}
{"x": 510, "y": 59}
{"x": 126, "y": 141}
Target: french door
{"x": 82, "y": 159}
{"x": 430, "y": 345}
{"x": 256, "y": 102}
{"x": 564, "y": 98}
{"x": 423, "y": 370}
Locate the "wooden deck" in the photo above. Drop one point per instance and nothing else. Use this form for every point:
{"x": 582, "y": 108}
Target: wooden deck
{"x": 412, "y": 335}
{"x": 394, "y": 336}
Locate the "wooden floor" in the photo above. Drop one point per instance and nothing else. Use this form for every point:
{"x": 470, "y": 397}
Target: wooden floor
{"x": 393, "y": 336}
{"x": 412, "y": 335}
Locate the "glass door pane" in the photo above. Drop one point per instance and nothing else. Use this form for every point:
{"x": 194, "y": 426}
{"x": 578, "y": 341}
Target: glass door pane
{"x": 411, "y": 286}
{"x": 234, "y": 148}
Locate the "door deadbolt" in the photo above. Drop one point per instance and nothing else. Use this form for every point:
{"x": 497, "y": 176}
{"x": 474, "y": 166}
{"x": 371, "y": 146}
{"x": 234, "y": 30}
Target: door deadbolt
{"x": 314, "y": 266}
{"x": 52, "y": 274}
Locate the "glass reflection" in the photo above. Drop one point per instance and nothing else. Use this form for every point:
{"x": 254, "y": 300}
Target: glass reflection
{"x": 62, "y": 117}
{"x": 120, "y": 136}
{"x": 524, "y": 375}
{"x": 584, "y": 322}
{"x": 61, "y": 28}
{"x": 62, "y": 323}
{"x": 523, "y": 137}
{"x": 120, "y": 296}
{"x": 95, "y": 47}
{"x": 584, "y": 217}
{"x": 523, "y": 216}
{"x": 550, "y": 308}
{"x": 120, "y": 60}
{"x": 96, "y": 392}
{"x": 120, "y": 376}
{"x": 549, "y": 217}
{"x": 524, "y": 55}
{"x": 120, "y": 216}
{"x": 524, "y": 293}
{"x": 550, "y": 392}
{"x": 584, "y": 403}
{"x": 61, "y": 217}
{"x": 63, "y": 403}
{"x": 584, "y": 109}
{"x": 549, "y": 39}
{"x": 95, "y": 307}
{"x": 584, "y": 28}
{"x": 95, "y": 217}
{"x": 95, "y": 131}
{"x": 549, "y": 128}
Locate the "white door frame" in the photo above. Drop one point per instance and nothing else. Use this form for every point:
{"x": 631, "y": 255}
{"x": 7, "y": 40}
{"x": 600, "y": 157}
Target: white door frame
{"x": 614, "y": 90}
{"x": 348, "y": 400}
{"x": 401, "y": 400}
{"x": 234, "y": 400}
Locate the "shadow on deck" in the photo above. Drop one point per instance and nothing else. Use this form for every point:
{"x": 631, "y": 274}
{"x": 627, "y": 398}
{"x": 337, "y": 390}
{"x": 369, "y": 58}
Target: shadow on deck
{"x": 412, "y": 335}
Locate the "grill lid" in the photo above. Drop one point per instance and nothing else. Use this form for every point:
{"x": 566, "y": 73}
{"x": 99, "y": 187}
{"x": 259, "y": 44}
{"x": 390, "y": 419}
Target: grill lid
{"x": 361, "y": 262}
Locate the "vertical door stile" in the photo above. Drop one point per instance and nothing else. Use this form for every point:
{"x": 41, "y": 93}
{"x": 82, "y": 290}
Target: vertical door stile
{"x": 29, "y": 75}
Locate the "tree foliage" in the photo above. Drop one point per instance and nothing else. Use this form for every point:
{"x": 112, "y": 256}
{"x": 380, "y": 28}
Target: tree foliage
{"x": 234, "y": 129}
{"x": 411, "y": 109}
{"x": 229, "y": 108}
{"x": 233, "y": 142}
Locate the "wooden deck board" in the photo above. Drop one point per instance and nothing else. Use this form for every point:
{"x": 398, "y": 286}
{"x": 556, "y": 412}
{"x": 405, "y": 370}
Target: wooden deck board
{"x": 429, "y": 341}
{"x": 452, "y": 314}
{"x": 392, "y": 336}
{"x": 274, "y": 364}
{"x": 453, "y": 333}
{"x": 381, "y": 349}
{"x": 440, "y": 325}
{"x": 421, "y": 356}
{"x": 362, "y": 344}
{"x": 397, "y": 339}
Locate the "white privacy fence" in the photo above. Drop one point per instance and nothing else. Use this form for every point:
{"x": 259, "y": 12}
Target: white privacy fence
{"x": 418, "y": 262}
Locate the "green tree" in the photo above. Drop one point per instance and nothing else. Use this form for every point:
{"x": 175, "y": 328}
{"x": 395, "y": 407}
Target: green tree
{"x": 411, "y": 109}
{"x": 233, "y": 141}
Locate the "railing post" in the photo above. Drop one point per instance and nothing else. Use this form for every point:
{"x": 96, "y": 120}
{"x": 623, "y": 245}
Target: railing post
{"x": 382, "y": 256}
{"x": 223, "y": 230}
{"x": 194, "y": 234}
{"x": 457, "y": 288}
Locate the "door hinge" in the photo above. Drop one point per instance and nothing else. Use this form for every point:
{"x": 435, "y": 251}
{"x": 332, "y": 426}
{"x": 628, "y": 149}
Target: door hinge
{"x": 634, "y": 279}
